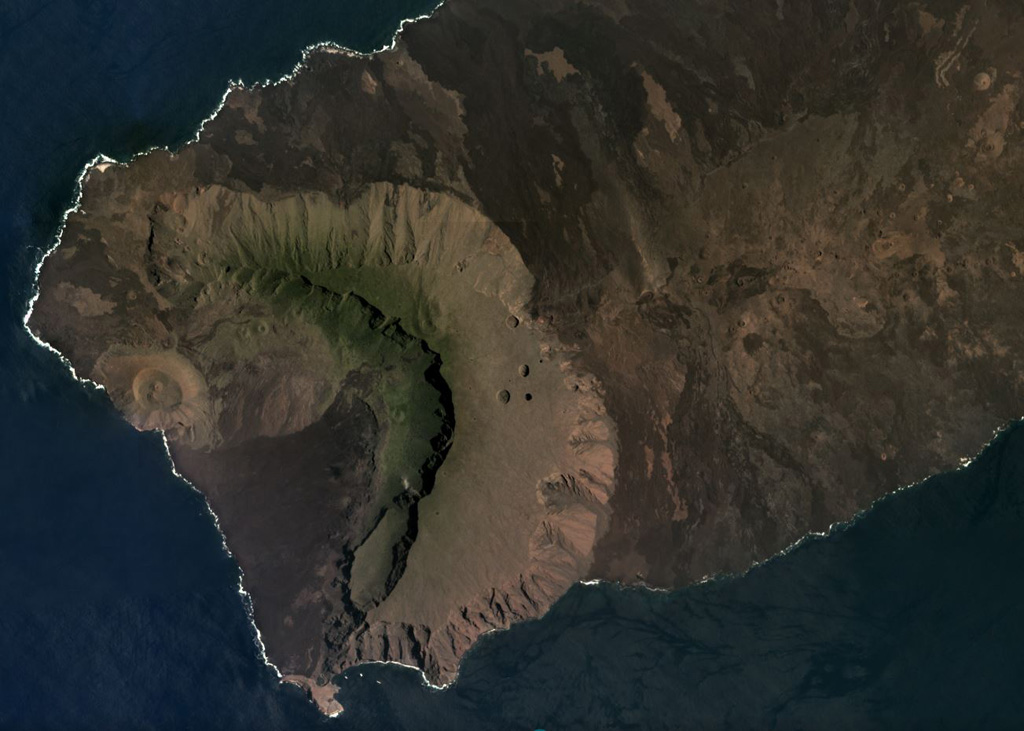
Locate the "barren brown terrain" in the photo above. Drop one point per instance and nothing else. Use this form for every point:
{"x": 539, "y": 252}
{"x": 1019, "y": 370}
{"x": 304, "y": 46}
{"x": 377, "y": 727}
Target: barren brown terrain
{"x": 628, "y": 290}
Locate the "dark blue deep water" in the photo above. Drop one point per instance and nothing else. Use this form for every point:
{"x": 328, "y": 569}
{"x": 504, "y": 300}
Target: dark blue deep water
{"x": 119, "y": 608}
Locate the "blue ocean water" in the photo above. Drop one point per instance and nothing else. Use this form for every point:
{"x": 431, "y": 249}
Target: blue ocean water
{"x": 119, "y": 608}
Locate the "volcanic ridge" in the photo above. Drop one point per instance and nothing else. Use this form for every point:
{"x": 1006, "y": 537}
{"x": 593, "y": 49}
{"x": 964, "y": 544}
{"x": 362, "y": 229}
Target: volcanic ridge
{"x": 547, "y": 292}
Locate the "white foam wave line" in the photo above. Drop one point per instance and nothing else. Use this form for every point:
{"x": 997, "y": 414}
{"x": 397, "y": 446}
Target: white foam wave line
{"x": 102, "y": 161}
{"x": 233, "y": 85}
{"x": 812, "y": 536}
{"x": 75, "y": 203}
{"x": 307, "y": 53}
{"x": 245, "y": 596}
{"x": 844, "y": 525}
{"x": 422, "y": 673}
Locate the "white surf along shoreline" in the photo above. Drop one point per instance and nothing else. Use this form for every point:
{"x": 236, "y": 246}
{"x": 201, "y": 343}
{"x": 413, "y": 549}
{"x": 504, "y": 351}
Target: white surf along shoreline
{"x": 101, "y": 162}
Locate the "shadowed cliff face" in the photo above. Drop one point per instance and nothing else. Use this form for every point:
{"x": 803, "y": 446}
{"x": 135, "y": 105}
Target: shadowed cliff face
{"x": 323, "y": 428}
{"x": 761, "y": 265}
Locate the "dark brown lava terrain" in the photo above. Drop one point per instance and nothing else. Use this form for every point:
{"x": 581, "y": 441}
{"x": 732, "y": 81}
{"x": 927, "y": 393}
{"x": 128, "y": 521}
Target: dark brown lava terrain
{"x": 704, "y": 276}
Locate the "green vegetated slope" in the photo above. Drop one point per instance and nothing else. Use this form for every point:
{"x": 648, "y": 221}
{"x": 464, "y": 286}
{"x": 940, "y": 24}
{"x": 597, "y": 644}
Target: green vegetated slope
{"x": 294, "y": 258}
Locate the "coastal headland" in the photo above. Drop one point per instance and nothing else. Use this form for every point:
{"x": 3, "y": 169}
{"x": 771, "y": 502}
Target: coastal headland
{"x": 612, "y": 289}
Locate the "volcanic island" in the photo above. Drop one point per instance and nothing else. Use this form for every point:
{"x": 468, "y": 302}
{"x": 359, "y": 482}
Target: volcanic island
{"x": 628, "y": 290}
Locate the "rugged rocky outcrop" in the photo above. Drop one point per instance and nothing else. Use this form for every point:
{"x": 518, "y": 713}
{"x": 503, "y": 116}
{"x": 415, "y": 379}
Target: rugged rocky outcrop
{"x": 762, "y": 263}
{"x": 382, "y": 501}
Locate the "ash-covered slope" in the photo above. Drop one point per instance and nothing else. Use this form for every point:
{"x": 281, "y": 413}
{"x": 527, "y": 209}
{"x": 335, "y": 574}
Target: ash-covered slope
{"x": 761, "y": 262}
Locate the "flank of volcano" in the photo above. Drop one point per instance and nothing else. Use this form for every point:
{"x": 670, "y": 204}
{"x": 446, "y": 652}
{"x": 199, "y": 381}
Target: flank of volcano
{"x": 611, "y": 289}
